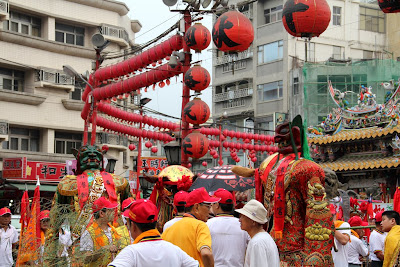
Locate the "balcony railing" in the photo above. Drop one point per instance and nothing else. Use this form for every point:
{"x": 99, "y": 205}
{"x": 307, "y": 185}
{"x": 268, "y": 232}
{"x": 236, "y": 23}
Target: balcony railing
{"x": 230, "y": 95}
{"x": 114, "y": 31}
{"x": 3, "y": 128}
{"x": 248, "y": 13}
{"x": 236, "y": 103}
{"x": 234, "y": 57}
{"x": 111, "y": 139}
{"x": 53, "y": 77}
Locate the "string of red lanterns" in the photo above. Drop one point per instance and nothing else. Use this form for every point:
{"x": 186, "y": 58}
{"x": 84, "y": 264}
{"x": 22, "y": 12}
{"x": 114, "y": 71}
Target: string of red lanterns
{"x": 124, "y": 129}
{"x": 135, "y": 118}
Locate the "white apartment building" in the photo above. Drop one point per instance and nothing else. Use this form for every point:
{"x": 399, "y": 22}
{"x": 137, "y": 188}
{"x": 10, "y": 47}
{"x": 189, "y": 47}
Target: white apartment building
{"x": 40, "y": 106}
{"x": 262, "y": 83}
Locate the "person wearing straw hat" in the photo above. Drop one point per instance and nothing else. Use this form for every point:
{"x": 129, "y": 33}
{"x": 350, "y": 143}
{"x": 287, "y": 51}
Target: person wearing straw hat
{"x": 148, "y": 249}
{"x": 8, "y": 238}
{"x": 261, "y": 250}
{"x": 377, "y": 242}
{"x": 229, "y": 242}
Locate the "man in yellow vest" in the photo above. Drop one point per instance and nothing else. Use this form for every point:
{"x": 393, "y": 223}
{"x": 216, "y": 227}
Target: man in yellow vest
{"x": 101, "y": 241}
{"x": 391, "y": 224}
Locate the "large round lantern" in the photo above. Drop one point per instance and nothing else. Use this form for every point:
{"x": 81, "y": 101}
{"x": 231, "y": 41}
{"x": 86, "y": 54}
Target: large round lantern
{"x": 389, "y": 6}
{"x": 197, "y": 78}
{"x": 233, "y": 32}
{"x": 195, "y": 145}
{"x": 196, "y": 111}
{"x": 303, "y": 18}
{"x": 197, "y": 37}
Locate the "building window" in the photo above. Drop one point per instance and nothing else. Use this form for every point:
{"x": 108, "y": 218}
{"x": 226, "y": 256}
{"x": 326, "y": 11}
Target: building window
{"x": 69, "y": 34}
{"x": 270, "y": 52}
{"x": 24, "y": 24}
{"x": 78, "y": 90}
{"x": 337, "y": 52}
{"x": 372, "y": 20}
{"x": 270, "y": 91}
{"x": 336, "y": 15}
{"x": 12, "y": 79}
{"x": 64, "y": 142}
{"x": 22, "y": 139}
{"x": 273, "y": 14}
{"x": 295, "y": 86}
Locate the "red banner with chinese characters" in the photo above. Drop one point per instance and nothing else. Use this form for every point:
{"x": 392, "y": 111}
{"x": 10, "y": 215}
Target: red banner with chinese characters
{"x": 21, "y": 169}
{"x": 14, "y": 168}
{"x": 153, "y": 165}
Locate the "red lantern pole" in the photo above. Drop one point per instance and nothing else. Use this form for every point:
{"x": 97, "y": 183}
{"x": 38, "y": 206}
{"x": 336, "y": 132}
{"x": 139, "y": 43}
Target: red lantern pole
{"x": 185, "y": 89}
{"x": 220, "y": 162}
{"x": 139, "y": 157}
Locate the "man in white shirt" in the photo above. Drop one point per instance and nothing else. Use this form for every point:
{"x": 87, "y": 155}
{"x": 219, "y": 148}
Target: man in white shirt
{"x": 356, "y": 246}
{"x": 261, "y": 250}
{"x": 148, "y": 249}
{"x": 229, "y": 242}
{"x": 179, "y": 205}
{"x": 8, "y": 238}
{"x": 377, "y": 243}
{"x": 342, "y": 237}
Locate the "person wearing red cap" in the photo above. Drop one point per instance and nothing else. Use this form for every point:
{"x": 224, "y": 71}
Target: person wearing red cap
{"x": 148, "y": 248}
{"x": 356, "y": 246}
{"x": 342, "y": 237}
{"x": 8, "y": 238}
{"x": 391, "y": 224}
{"x": 44, "y": 218}
{"x": 261, "y": 250}
{"x": 377, "y": 242}
{"x": 229, "y": 242}
{"x": 179, "y": 204}
{"x": 101, "y": 240}
{"x": 191, "y": 233}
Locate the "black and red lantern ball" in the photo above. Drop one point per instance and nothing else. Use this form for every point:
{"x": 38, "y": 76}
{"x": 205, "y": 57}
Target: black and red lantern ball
{"x": 305, "y": 18}
{"x": 197, "y": 37}
{"x": 195, "y": 145}
{"x": 233, "y": 32}
{"x": 197, "y": 78}
{"x": 196, "y": 111}
{"x": 389, "y": 6}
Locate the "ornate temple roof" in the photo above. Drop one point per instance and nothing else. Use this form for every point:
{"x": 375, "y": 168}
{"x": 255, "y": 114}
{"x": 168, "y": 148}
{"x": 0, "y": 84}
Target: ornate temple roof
{"x": 354, "y": 134}
{"x": 362, "y": 162}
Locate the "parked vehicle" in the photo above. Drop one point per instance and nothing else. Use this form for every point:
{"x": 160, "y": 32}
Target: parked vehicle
{"x": 15, "y": 222}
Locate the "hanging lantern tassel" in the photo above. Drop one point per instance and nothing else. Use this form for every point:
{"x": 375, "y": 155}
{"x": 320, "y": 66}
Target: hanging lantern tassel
{"x": 396, "y": 200}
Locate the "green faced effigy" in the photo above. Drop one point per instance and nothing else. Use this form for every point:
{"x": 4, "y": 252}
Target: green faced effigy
{"x": 89, "y": 158}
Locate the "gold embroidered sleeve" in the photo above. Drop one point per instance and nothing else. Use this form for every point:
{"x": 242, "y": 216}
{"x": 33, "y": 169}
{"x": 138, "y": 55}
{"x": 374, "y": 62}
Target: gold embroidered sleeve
{"x": 68, "y": 186}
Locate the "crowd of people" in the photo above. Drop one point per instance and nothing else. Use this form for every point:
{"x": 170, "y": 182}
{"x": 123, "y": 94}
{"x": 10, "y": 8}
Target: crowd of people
{"x": 206, "y": 231}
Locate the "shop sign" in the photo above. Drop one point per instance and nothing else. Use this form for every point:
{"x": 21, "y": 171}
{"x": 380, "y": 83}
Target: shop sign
{"x": 21, "y": 169}
{"x": 14, "y": 168}
{"x": 153, "y": 165}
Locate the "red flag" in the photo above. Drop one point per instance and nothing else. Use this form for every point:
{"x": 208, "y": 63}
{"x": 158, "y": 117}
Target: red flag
{"x": 24, "y": 220}
{"x": 31, "y": 240}
{"x": 396, "y": 200}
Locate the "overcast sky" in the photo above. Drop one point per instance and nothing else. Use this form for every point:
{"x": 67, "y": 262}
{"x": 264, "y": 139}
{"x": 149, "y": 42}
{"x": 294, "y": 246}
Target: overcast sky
{"x": 155, "y": 18}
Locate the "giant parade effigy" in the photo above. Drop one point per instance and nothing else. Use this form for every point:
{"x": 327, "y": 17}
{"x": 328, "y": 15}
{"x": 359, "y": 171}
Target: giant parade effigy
{"x": 292, "y": 189}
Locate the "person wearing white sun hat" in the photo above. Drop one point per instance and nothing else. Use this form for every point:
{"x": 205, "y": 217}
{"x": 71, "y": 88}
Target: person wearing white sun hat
{"x": 261, "y": 250}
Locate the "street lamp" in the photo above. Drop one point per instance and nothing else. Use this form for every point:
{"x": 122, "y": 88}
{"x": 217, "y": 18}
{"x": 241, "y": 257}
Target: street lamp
{"x": 173, "y": 152}
{"x": 142, "y": 102}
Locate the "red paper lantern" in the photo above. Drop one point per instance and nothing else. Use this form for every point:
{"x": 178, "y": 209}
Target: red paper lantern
{"x": 197, "y": 78}
{"x": 196, "y": 112}
{"x": 148, "y": 144}
{"x": 105, "y": 147}
{"x": 253, "y": 159}
{"x": 195, "y": 145}
{"x": 204, "y": 163}
{"x": 154, "y": 149}
{"x": 303, "y": 18}
{"x": 389, "y": 6}
{"x": 233, "y": 31}
{"x": 132, "y": 147}
{"x": 197, "y": 37}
